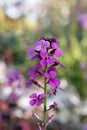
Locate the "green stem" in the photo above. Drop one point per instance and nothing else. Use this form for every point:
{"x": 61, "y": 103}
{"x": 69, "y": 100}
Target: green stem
{"x": 45, "y": 99}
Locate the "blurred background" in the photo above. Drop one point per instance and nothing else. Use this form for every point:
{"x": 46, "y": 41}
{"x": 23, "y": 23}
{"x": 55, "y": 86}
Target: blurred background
{"x": 22, "y": 23}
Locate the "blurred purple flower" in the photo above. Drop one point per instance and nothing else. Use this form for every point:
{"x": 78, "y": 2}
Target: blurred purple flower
{"x": 82, "y": 19}
{"x": 36, "y": 99}
{"x": 35, "y": 71}
{"x": 85, "y": 127}
{"x": 31, "y": 52}
{"x": 14, "y": 76}
{"x": 13, "y": 96}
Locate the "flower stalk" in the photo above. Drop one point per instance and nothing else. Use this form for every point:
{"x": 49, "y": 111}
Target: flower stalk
{"x": 47, "y": 51}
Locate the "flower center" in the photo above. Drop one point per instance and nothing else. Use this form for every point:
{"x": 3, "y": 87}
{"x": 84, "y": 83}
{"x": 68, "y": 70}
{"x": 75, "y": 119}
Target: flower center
{"x": 42, "y": 46}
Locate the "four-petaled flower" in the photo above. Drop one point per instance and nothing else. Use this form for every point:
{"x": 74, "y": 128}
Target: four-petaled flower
{"x": 35, "y": 71}
{"x": 36, "y": 99}
{"x": 52, "y": 80}
{"x": 42, "y": 45}
{"x": 56, "y": 49}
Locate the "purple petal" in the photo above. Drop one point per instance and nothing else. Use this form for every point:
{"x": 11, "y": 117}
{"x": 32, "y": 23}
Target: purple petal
{"x": 47, "y": 44}
{"x": 50, "y": 61}
{"x": 59, "y": 53}
{"x": 52, "y": 68}
{"x": 35, "y": 75}
{"x": 30, "y": 72}
{"x": 52, "y": 106}
{"x": 47, "y": 75}
{"x": 43, "y": 62}
{"x": 43, "y": 54}
{"x": 35, "y": 56}
{"x": 57, "y": 82}
{"x": 39, "y": 102}
{"x": 54, "y": 45}
{"x": 34, "y": 95}
{"x": 29, "y": 83}
{"x": 31, "y": 52}
{"x": 53, "y": 74}
{"x": 41, "y": 96}
{"x": 52, "y": 83}
{"x": 58, "y": 41}
{"x": 38, "y": 46}
{"x": 33, "y": 102}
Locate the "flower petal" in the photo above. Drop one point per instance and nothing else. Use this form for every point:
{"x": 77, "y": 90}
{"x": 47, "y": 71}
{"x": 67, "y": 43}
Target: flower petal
{"x": 59, "y": 53}
{"x": 33, "y": 102}
{"x": 43, "y": 54}
{"x": 52, "y": 83}
{"x": 47, "y": 75}
{"x": 31, "y": 52}
{"x": 35, "y": 56}
{"x": 43, "y": 62}
{"x": 52, "y": 74}
{"x": 39, "y": 102}
{"x": 34, "y": 95}
{"x": 54, "y": 45}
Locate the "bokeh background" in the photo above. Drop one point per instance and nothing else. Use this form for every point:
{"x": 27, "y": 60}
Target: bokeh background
{"x": 22, "y": 23}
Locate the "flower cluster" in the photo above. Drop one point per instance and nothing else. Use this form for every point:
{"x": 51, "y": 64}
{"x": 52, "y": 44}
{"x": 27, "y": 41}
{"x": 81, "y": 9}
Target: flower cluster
{"x": 47, "y": 52}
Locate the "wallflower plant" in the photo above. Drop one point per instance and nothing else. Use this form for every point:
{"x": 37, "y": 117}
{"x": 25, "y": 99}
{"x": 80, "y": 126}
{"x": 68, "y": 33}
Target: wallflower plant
{"x": 47, "y": 52}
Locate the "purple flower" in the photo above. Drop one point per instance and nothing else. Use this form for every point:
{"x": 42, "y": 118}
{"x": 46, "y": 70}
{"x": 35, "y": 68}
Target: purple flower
{"x": 35, "y": 71}
{"x": 46, "y": 59}
{"x": 85, "y": 127}
{"x": 51, "y": 76}
{"x": 14, "y": 76}
{"x": 46, "y": 50}
{"x": 57, "y": 51}
{"x": 53, "y": 106}
{"x": 36, "y": 99}
{"x": 29, "y": 82}
{"x": 54, "y": 45}
{"x": 42, "y": 45}
{"x": 31, "y": 52}
{"x": 82, "y": 19}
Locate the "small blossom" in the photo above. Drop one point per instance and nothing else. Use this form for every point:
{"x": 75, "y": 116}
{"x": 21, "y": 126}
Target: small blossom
{"x": 56, "y": 49}
{"x": 34, "y": 72}
{"x": 42, "y": 45}
{"x": 14, "y": 77}
{"x": 36, "y": 99}
{"x": 53, "y": 106}
{"x": 51, "y": 76}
